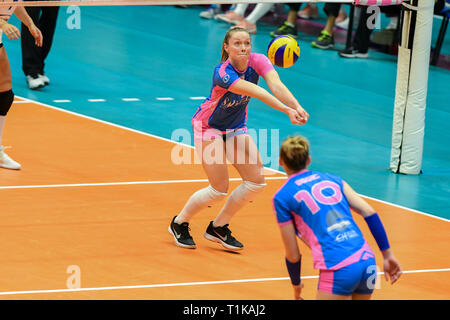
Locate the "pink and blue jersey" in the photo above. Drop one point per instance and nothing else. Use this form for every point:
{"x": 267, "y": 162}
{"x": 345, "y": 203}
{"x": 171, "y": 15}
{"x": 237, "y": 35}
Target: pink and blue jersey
{"x": 224, "y": 111}
{"x": 315, "y": 203}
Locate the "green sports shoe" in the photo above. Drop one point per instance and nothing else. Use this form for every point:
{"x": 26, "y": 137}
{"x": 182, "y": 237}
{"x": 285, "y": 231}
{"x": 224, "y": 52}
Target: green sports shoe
{"x": 286, "y": 29}
{"x": 324, "y": 41}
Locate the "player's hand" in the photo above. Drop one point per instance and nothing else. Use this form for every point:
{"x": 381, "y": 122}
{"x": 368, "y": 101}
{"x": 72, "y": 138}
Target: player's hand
{"x": 303, "y": 114}
{"x": 392, "y": 269}
{"x": 298, "y": 291}
{"x": 295, "y": 117}
{"x": 37, "y": 35}
{"x": 11, "y": 31}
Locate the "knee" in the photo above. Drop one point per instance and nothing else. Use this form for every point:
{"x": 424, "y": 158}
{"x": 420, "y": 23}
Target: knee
{"x": 215, "y": 195}
{"x": 253, "y": 188}
{"x": 221, "y": 187}
{"x": 6, "y": 100}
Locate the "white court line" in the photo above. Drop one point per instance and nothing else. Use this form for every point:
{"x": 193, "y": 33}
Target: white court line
{"x": 96, "y": 100}
{"x": 189, "y": 146}
{"x": 62, "y": 101}
{"x": 130, "y": 99}
{"x": 165, "y": 99}
{"x": 197, "y": 98}
{"x": 163, "y": 285}
{"x": 120, "y": 183}
{"x": 14, "y": 102}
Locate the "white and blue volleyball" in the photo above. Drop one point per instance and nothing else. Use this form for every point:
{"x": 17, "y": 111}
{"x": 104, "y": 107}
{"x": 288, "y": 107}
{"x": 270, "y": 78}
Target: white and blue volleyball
{"x": 283, "y": 51}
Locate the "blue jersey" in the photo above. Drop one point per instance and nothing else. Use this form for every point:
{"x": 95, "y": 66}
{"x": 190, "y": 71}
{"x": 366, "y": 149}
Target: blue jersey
{"x": 315, "y": 203}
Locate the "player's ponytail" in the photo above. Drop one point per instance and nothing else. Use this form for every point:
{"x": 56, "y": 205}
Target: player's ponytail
{"x": 294, "y": 152}
{"x": 228, "y": 35}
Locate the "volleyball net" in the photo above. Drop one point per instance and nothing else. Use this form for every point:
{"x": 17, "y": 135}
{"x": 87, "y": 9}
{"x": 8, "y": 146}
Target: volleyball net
{"x": 53, "y": 3}
{"x": 412, "y": 66}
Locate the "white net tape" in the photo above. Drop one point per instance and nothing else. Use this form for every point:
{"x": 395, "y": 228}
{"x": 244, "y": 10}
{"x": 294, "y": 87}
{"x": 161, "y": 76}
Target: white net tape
{"x": 52, "y": 3}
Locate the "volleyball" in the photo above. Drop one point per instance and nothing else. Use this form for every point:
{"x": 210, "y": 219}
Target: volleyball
{"x": 283, "y": 51}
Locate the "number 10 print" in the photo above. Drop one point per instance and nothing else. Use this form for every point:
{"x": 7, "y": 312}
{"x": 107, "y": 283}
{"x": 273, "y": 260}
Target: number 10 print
{"x": 317, "y": 196}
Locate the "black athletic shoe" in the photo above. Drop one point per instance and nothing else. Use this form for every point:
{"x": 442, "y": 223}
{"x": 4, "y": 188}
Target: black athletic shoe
{"x": 181, "y": 234}
{"x": 324, "y": 41}
{"x": 285, "y": 30}
{"x": 222, "y": 235}
{"x": 353, "y": 53}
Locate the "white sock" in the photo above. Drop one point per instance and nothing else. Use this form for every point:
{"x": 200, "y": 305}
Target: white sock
{"x": 240, "y": 196}
{"x": 260, "y": 10}
{"x": 2, "y": 125}
{"x": 240, "y": 9}
{"x": 198, "y": 201}
{"x": 290, "y": 24}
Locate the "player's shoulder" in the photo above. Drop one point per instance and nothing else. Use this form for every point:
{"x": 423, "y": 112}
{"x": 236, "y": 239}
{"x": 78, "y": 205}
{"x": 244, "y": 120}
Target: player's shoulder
{"x": 224, "y": 68}
{"x": 258, "y": 58}
{"x": 287, "y": 190}
{"x": 256, "y": 55}
{"x": 330, "y": 176}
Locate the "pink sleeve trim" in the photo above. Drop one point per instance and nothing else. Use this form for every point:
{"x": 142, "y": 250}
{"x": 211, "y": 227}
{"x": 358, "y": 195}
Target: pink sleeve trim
{"x": 233, "y": 83}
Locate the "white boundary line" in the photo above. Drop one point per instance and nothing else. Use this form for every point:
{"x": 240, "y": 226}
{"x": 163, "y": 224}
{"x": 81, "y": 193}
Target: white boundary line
{"x": 162, "y": 285}
{"x": 120, "y": 183}
{"x": 179, "y": 143}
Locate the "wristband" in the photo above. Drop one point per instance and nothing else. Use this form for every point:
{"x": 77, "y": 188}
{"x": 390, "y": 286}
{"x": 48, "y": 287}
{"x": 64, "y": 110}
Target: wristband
{"x": 294, "y": 270}
{"x": 378, "y": 232}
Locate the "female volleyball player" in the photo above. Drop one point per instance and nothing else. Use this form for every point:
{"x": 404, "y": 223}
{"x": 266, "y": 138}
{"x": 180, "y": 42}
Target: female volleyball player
{"x": 220, "y": 133}
{"x": 6, "y": 93}
{"x": 316, "y": 207}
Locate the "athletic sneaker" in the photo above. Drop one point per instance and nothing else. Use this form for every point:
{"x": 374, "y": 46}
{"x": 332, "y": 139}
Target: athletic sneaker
{"x": 324, "y": 41}
{"x": 222, "y": 235}
{"x": 181, "y": 234}
{"x": 34, "y": 82}
{"x": 6, "y": 162}
{"x": 44, "y": 78}
{"x": 230, "y": 17}
{"x": 353, "y": 53}
{"x": 286, "y": 29}
{"x": 210, "y": 12}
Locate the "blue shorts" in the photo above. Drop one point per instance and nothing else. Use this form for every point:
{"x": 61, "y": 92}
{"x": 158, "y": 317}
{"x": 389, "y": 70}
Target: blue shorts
{"x": 359, "y": 277}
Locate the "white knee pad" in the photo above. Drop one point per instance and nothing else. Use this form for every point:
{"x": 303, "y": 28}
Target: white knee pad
{"x": 213, "y": 195}
{"x": 252, "y": 189}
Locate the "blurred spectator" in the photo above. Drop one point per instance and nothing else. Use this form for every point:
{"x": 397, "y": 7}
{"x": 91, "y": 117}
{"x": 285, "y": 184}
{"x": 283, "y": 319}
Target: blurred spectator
{"x": 326, "y": 38}
{"x": 310, "y": 11}
{"x": 236, "y": 16}
{"x": 211, "y": 12}
{"x": 361, "y": 40}
{"x": 289, "y": 27}
{"x": 33, "y": 57}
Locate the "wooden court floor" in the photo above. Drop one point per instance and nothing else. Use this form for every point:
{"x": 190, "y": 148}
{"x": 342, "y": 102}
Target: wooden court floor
{"x": 98, "y": 198}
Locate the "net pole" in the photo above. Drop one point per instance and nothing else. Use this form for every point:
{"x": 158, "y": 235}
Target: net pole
{"x": 411, "y": 88}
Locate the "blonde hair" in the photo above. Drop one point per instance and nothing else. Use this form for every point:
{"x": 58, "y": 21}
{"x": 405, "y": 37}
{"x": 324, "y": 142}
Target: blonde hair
{"x": 294, "y": 152}
{"x": 228, "y": 35}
